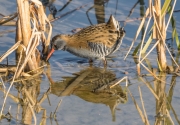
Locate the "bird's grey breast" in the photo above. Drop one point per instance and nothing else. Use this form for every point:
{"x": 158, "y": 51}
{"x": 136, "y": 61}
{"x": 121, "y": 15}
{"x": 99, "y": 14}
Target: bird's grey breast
{"x": 84, "y": 52}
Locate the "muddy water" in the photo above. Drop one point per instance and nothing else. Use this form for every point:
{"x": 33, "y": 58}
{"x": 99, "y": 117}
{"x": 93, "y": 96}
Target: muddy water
{"x": 83, "y": 102}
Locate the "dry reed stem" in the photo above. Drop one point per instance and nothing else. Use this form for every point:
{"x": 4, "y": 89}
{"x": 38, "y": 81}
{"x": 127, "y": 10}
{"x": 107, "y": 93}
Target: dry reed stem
{"x": 156, "y": 42}
{"x": 25, "y": 23}
{"x": 160, "y": 24}
{"x": 14, "y": 47}
{"x": 26, "y": 59}
{"x": 34, "y": 60}
{"x": 50, "y": 32}
{"x": 35, "y": 35}
{"x": 8, "y": 69}
{"x": 142, "y": 43}
{"x": 156, "y": 23}
{"x": 42, "y": 19}
{"x": 30, "y": 48}
{"x": 138, "y": 31}
{"x": 18, "y": 37}
{"x": 24, "y": 17}
{"x": 138, "y": 67}
{"x": 37, "y": 2}
{"x": 31, "y": 38}
{"x": 150, "y": 7}
{"x": 170, "y": 15}
{"x": 137, "y": 107}
{"x": 144, "y": 35}
{"x": 28, "y": 76}
{"x": 25, "y": 74}
{"x": 144, "y": 110}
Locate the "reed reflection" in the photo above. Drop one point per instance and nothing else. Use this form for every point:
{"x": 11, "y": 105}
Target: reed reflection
{"x": 99, "y": 8}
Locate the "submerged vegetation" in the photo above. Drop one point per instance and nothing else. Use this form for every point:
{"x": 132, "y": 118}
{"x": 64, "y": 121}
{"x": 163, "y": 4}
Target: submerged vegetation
{"x": 97, "y": 85}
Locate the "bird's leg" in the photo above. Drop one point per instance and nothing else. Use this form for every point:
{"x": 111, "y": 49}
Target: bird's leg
{"x": 105, "y": 62}
{"x": 90, "y": 62}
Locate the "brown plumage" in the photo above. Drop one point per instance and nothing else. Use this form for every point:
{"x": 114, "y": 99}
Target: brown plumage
{"x": 93, "y": 42}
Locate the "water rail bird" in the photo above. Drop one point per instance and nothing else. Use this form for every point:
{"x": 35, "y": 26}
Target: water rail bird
{"x": 92, "y": 42}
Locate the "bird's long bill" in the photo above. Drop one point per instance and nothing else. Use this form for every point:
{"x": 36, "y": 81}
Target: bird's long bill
{"x": 49, "y": 55}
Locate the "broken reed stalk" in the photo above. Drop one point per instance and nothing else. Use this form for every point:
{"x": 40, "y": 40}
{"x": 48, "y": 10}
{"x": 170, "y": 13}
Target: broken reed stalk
{"x": 27, "y": 40}
{"x": 31, "y": 12}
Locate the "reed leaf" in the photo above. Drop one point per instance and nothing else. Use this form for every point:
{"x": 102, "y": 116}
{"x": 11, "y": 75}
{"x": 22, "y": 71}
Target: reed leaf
{"x": 174, "y": 32}
{"x": 159, "y": 66}
{"x": 165, "y": 7}
{"x": 136, "y": 49}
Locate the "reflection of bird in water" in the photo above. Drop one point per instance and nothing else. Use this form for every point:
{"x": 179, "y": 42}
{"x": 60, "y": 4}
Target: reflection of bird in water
{"x": 93, "y": 42}
{"x": 92, "y": 85}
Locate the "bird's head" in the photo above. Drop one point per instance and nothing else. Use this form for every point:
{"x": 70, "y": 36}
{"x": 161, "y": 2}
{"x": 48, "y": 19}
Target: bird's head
{"x": 57, "y": 43}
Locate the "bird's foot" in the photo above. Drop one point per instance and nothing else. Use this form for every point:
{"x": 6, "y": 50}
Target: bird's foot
{"x": 90, "y": 62}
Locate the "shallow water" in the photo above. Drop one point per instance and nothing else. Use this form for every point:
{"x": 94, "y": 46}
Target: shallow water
{"x": 81, "y": 105}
